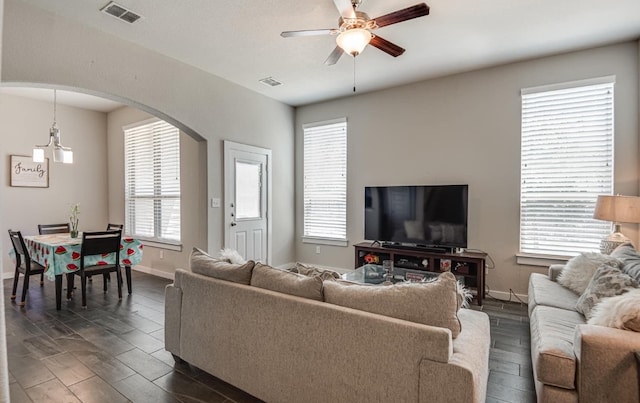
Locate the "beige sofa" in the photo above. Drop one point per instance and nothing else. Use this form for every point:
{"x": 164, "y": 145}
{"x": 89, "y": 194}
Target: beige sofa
{"x": 285, "y": 348}
{"x": 572, "y": 360}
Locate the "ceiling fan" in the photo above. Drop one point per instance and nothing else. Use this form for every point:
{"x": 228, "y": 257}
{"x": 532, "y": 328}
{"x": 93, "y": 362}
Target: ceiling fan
{"x": 354, "y": 29}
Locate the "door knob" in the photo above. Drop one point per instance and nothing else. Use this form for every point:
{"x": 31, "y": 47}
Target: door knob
{"x": 233, "y": 224}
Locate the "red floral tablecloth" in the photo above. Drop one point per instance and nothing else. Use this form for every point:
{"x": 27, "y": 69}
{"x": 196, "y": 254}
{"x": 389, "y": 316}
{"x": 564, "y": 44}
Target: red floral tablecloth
{"x": 59, "y": 253}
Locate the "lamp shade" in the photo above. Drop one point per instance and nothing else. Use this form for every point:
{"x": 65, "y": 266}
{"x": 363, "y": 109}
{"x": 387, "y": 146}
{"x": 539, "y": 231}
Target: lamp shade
{"x": 58, "y": 154}
{"x": 353, "y": 41}
{"x": 38, "y": 155}
{"x": 67, "y": 157}
{"x": 618, "y": 209}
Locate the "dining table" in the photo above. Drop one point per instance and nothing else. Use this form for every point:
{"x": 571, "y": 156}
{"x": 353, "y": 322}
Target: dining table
{"x": 59, "y": 254}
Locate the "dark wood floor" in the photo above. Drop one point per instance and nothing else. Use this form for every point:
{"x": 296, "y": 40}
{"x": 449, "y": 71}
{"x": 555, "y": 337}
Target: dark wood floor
{"x": 510, "y": 371}
{"x": 114, "y": 351}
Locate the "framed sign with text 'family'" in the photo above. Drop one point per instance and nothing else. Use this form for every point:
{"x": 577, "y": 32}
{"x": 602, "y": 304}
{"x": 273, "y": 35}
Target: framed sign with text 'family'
{"x": 26, "y": 173}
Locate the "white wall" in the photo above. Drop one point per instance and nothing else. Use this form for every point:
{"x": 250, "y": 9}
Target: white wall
{"x": 25, "y": 123}
{"x": 465, "y": 128}
{"x": 200, "y": 104}
{"x": 4, "y": 371}
{"x": 193, "y": 188}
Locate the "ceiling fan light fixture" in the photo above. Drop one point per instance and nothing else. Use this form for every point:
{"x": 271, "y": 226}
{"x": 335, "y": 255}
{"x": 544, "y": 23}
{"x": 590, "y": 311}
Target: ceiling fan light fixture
{"x": 353, "y": 41}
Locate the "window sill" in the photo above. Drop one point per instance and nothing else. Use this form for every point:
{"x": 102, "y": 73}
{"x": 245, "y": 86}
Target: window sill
{"x": 160, "y": 244}
{"x": 325, "y": 241}
{"x": 533, "y": 259}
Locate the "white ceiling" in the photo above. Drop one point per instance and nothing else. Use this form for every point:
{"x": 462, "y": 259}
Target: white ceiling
{"x": 240, "y": 40}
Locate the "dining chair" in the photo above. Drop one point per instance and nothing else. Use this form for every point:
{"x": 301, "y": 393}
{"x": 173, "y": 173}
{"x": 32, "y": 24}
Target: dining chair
{"x": 44, "y": 229}
{"x": 24, "y": 265}
{"x": 112, "y": 227}
{"x": 98, "y": 243}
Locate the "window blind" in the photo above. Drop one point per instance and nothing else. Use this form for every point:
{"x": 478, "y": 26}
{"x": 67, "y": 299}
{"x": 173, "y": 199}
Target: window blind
{"x": 152, "y": 181}
{"x": 567, "y": 161}
{"x": 325, "y": 180}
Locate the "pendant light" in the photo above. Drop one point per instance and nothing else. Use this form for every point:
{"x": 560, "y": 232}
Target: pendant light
{"x": 60, "y": 152}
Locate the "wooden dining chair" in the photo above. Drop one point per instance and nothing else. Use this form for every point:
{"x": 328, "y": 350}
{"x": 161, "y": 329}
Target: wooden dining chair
{"x": 44, "y": 229}
{"x": 98, "y": 243}
{"x": 24, "y": 265}
{"x": 112, "y": 227}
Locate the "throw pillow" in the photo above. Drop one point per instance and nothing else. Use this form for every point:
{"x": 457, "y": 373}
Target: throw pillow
{"x": 324, "y": 274}
{"x": 608, "y": 281}
{"x": 630, "y": 260}
{"x": 579, "y": 270}
{"x": 203, "y": 263}
{"x": 286, "y": 282}
{"x": 232, "y": 256}
{"x": 432, "y": 303}
{"x": 621, "y": 312}
{"x": 465, "y": 296}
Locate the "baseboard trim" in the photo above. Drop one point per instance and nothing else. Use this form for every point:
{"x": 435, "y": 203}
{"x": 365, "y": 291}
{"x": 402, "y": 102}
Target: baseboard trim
{"x": 508, "y": 296}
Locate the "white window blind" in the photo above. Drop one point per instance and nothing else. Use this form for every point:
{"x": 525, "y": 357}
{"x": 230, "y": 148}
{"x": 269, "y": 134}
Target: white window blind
{"x": 325, "y": 180}
{"x": 152, "y": 181}
{"x": 567, "y": 161}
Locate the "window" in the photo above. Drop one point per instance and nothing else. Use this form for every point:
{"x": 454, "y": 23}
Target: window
{"x": 152, "y": 181}
{"x": 325, "y": 182}
{"x": 567, "y": 161}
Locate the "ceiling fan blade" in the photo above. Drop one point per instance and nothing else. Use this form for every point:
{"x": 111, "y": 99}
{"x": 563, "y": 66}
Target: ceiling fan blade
{"x": 308, "y": 32}
{"x": 334, "y": 56}
{"x": 386, "y": 46}
{"x": 345, "y": 8}
{"x": 419, "y": 10}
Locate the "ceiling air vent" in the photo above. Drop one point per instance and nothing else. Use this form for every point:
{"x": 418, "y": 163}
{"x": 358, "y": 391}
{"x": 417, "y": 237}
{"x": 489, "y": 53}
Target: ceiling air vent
{"x": 270, "y": 81}
{"x": 120, "y": 12}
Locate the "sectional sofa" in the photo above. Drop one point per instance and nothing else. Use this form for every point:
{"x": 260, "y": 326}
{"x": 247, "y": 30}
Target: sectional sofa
{"x": 574, "y": 361}
{"x": 273, "y": 334}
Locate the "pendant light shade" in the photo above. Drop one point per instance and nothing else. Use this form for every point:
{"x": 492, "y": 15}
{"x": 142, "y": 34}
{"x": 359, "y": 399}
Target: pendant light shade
{"x": 60, "y": 152}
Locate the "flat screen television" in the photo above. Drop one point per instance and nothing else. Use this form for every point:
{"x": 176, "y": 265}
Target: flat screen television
{"x": 422, "y": 216}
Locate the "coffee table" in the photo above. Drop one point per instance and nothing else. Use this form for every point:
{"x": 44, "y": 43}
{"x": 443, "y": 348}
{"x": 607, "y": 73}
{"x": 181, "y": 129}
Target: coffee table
{"x": 374, "y": 274}
{"x": 367, "y": 274}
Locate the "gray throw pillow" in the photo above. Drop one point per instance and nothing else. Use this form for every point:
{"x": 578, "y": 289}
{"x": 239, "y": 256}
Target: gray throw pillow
{"x": 608, "y": 281}
{"x": 578, "y": 271}
{"x": 286, "y": 282}
{"x": 203, "y": 263}
{"x": 630, "y": 260}
{"x": 432, "y": 303}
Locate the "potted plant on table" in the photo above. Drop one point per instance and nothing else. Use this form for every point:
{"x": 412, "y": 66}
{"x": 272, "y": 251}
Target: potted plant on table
{"x": 73, "y": 218}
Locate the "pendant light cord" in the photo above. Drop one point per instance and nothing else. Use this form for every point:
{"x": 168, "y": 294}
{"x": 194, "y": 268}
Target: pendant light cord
{"x": 354, "y": 74}
{"x": 54, "y": 107}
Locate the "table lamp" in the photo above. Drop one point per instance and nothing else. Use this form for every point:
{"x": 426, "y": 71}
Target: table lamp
{"x": 617, "y": 209}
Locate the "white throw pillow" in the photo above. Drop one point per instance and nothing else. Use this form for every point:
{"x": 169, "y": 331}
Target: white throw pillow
{"x": 578, "y": 271}
{"x": 232, "y": 256}
{"x": 621, "y": 312}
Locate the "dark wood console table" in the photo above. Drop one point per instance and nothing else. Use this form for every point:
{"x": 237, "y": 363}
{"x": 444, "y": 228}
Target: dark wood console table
{"x": 469, "y": 265}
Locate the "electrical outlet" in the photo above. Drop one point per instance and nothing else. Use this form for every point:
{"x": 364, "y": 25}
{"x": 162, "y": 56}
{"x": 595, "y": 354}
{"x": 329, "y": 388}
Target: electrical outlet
{"x": 317, "y": 250}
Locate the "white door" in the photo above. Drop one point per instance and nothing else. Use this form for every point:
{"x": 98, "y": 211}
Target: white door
{"x": 247, "y": 199}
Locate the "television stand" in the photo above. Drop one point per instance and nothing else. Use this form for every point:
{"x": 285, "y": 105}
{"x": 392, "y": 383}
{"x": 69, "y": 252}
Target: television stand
{"x": 417, "y": 262}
